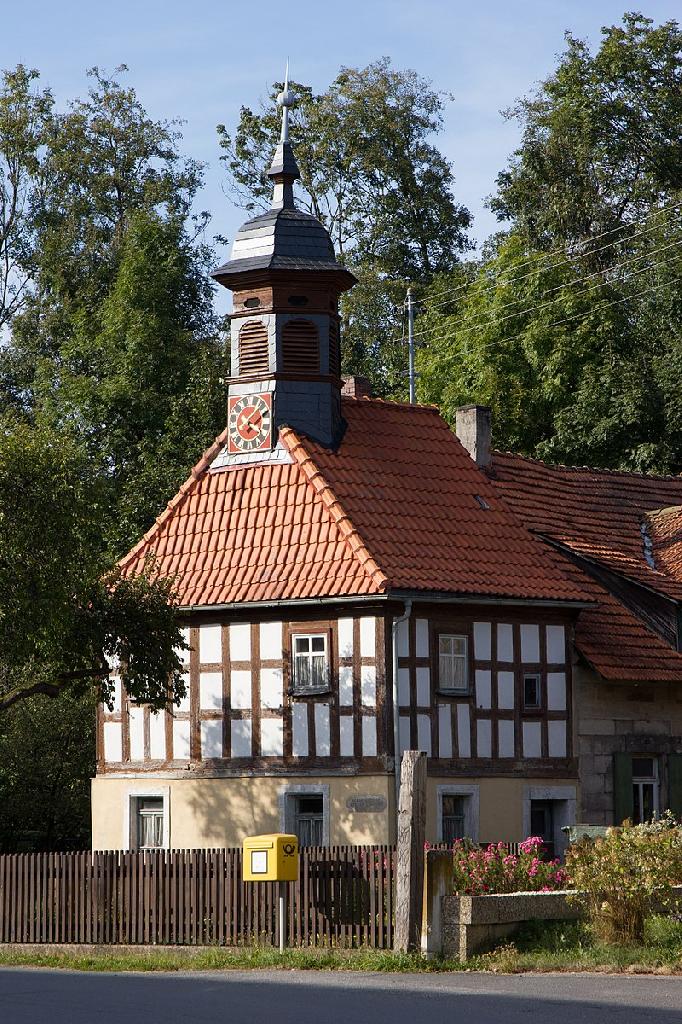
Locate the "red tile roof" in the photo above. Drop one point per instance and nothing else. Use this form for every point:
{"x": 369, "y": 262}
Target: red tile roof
{"x": 597, "y": 515}
{"x": 400, "y": 505}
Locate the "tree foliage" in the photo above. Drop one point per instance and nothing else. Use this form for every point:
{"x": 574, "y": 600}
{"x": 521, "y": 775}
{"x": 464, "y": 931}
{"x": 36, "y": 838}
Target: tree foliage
{"x": 47, "y": 758}
{"x": 371, "y": 174}
{"x": 601, "y": 141}
{"x": 571, "y": 327}
{"x": 65, "y": 621}
{"x": 116, "y": 340}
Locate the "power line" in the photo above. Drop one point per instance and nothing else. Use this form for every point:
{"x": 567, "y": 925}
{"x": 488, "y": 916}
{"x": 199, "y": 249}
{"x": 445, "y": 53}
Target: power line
{"x": 538, "y": 306}
{"x": 574, "y": 316}
{"x": 568, "y": 257}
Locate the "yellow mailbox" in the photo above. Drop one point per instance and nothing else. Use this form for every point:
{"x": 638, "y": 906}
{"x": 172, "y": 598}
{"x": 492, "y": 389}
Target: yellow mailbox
{"x": 272, "y": 858}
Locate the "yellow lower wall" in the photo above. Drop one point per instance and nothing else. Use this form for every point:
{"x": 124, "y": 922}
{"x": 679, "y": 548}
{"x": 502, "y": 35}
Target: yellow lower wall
{"x": 221, "y": 811}
{"x": 217, "y": 812}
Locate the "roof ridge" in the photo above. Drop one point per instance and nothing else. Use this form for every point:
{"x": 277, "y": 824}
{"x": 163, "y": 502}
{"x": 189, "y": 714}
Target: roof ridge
{"x": 414, "y": 406}
{"x": 342, "y": 520}
{"x": 589, "y": 469}
{"x": 183, "y": 491}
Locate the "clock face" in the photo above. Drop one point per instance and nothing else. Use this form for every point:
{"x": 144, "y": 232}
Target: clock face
{"x": 249, "y": 422}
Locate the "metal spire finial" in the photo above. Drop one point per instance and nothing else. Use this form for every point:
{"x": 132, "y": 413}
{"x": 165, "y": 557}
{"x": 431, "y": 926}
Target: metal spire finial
{"x": 285, "y": 99}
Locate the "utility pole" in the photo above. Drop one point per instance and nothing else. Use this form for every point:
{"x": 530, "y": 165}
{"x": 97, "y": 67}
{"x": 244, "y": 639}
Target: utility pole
{"x": 410, "y": 342}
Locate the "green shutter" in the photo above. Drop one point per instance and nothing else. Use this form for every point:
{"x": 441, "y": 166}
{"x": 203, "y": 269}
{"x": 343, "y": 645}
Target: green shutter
{"x": 675, "y": 784}
{"x": 622, "y": 788}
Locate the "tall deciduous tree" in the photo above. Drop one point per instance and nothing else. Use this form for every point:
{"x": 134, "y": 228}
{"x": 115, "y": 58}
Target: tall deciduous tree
{"x": 116, "y": 342}
{"x": 370, "y": 172}
{"x": 65, "y": 621}
{"x": 571, "y": 330}
{"x": 601, "y": 144}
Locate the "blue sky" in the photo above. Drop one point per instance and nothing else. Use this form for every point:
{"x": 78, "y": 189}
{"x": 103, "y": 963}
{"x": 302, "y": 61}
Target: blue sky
{"x": 200, "y": 61}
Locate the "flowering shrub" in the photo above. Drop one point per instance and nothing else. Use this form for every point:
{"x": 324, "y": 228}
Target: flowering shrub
{"x": 620, "y": 876}
{"x": 494, "y": 869}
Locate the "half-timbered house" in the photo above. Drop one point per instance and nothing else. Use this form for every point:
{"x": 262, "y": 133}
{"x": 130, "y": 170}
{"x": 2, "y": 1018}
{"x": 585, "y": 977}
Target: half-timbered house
{"x": 354, "y": 581}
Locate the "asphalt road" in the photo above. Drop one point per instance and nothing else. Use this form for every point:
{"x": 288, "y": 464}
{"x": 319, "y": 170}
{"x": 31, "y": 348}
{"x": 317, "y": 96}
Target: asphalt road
{"x": 29, "y": 996}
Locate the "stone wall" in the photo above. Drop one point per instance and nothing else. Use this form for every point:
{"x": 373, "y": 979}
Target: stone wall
{"x": 634, "y": 718}
{"x": 471, "y": 924}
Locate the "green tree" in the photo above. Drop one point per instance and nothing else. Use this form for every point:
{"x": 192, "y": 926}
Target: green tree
{"x": 601, "y": 138}
{"x": 571, "y": 329}
{"x": 117, "y": 342}
{"x": 371, "y": 174}
{"x": 64, "y": 620}
{"x": 47, "y": 758}
{"x": 24, "y": 115}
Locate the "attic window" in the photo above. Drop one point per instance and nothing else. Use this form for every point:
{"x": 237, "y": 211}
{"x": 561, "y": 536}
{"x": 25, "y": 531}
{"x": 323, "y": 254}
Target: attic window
{"x": 252, "y": 303}
{"x": 298, "y": 300}
{"x": 482, "y": 502}
{"x": 300, "y": 347}
{"x": 253, "y": 348}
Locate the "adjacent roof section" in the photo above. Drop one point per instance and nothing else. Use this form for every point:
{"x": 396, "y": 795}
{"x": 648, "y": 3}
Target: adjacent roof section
{"x": 601, "y": 515}
{"x": 399, "y": 505}
{"x": 613, "y": 521}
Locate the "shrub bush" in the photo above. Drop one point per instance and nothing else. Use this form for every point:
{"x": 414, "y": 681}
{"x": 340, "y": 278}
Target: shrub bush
{"x": 480, "y": 872}
{"x": 622, "y": 877}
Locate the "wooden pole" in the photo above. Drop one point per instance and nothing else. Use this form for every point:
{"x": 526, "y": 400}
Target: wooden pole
{"x": 411, "y": 836}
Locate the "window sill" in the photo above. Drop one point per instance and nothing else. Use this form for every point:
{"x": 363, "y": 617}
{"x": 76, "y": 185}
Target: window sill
{"x": 453, "y": 693}
{"x": 325, "y": 692}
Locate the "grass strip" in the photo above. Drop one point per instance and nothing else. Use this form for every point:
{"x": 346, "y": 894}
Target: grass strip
{"x": 538, "y": 946}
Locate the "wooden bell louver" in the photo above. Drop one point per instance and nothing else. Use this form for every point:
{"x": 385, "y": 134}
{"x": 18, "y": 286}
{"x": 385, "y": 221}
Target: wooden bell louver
{"x": 334, "y": 349}
{"x": 300, "y": 347}
{"x": 253, "y": 348}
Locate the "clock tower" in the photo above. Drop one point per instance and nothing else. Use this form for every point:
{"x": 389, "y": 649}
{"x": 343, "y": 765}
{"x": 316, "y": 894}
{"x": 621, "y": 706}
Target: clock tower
{"x": 285, "y": 351}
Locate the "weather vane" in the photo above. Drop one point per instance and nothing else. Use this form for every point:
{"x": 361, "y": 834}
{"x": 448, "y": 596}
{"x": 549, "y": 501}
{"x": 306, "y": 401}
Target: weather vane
{"x": 285, "y": 99}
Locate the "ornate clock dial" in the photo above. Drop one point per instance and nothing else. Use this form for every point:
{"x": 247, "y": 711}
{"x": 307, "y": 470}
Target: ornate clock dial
{"x": 250, "y": 423}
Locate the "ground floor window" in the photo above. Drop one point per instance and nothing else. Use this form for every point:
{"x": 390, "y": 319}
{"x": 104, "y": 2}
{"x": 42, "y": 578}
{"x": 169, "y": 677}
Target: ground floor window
{"x": 542, "y": 824}
{"x": 309, "y": 820}
{"x": 304, "y": 812}
{"x": 453, "y": 818}
{"x": 148, "y": 820}
{"x": 645, "y": 804}
{"x": 457, "y": 813}
{"x": 547, "y": 811}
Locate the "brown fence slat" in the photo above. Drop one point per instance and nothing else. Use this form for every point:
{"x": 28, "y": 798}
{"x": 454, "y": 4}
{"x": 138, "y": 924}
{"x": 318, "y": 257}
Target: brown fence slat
{"x": 344, "y": 896}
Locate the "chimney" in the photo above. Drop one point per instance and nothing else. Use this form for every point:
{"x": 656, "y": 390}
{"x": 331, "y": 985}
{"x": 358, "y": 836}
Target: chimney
{"x": 473, "y": 430}
{"x": 356, "y": 387}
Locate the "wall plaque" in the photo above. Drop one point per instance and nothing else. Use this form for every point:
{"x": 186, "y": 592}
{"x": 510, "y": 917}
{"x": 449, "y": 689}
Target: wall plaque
{"x": 366, "y": 804}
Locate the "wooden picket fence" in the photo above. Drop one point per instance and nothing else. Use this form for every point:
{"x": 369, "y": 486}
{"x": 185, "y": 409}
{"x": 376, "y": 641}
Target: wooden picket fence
{"x": 344, "y": 897}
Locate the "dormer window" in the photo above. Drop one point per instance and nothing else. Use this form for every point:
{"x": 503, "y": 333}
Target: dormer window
{"x": 300, "y": 347}
{"x": 253, "y": 348}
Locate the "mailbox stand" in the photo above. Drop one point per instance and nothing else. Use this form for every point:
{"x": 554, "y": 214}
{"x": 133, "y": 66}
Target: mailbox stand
{"x": 282, "y": 915}
{"x": 272, "y": 858}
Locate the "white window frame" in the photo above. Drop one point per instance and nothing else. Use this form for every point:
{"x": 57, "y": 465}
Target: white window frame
{"x": 288, "y": 797}
{"x": 458, "y": 690}
{"x": 296, "y": 687}
{"x": 472, "y": 802}
{"x": 640, "y": 781}
{"x": 130, "y": 807}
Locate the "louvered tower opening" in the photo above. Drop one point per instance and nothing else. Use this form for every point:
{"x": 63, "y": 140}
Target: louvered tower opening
{"x": 253, "y": 348}
{"x": 334, "y": 349}
{"x": 300, "y": 347}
